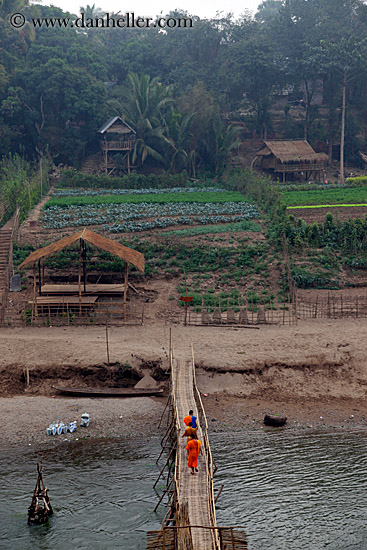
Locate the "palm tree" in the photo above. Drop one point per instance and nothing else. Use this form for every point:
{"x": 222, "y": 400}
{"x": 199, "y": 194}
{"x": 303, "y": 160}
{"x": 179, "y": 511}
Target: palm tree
{"x": 145, "y": 108}
{"x": 91, "y": 11}
{"x": 179, "y": 135}
{"x": 7, "y": 8}
{"x": 220, "y": 142}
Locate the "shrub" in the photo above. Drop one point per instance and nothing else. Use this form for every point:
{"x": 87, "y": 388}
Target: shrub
{"x": 72, "y": 178}
{"x": 358, "y": 180}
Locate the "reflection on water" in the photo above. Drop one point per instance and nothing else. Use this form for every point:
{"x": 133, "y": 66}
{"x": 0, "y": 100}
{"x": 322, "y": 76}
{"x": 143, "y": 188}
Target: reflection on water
{"x": 101, "y": 494}
{"x": 294, "y": 491}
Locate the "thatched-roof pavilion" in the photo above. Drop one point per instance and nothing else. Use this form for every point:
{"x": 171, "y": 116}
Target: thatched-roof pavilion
{"x": 291, "y": 156}
{"x": 84, "y": 236}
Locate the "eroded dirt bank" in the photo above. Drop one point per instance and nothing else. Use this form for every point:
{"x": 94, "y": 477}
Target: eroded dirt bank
{"x": 314, "y": 359}
{"x": 314, "y": 373}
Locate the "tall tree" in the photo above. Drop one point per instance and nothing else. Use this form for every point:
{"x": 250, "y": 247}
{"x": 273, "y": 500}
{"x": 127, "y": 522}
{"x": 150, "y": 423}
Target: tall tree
{"x": 144, "y": 107}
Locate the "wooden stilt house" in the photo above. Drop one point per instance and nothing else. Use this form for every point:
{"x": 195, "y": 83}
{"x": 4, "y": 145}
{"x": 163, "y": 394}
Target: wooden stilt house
{"x": 116, "y": 136}
{"x": 294, "y": 158}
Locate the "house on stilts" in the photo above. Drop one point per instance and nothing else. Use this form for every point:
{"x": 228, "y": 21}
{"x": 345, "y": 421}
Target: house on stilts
{"x": 117, "y": 140}
{"x": 290, "y": 159}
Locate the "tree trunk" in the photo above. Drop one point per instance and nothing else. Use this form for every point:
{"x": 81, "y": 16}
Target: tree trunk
{"x": 308, "y": 98}
{"x": 343, "y": 129}
{"x": 330, "y": 146}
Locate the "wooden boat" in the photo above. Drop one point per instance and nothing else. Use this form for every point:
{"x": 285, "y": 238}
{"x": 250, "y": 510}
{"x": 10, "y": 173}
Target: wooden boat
{"x": 109, "y": 392}
{"x": 273, "y": 420}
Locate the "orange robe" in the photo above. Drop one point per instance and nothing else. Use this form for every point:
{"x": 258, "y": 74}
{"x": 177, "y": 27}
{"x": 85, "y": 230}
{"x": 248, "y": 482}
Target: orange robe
{"x": 189, "y": 433}
{"x": 193, "y": 448}
{"x": 187, "y": 419}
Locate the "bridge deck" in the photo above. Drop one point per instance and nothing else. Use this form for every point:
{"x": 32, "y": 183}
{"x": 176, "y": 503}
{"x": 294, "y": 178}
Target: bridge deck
{"x": 193, "y": 488}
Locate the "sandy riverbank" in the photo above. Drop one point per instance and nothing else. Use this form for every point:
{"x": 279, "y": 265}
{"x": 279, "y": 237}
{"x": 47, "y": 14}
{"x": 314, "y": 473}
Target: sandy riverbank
{"x": 25, "y": 418}
{"x": 316, "y": 369}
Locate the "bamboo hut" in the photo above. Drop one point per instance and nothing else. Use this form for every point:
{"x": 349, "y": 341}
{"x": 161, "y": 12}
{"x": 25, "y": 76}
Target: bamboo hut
{"x": 117, "y": 136}
{"x": 129, "y": 255}
{"x": 295, "y": 157}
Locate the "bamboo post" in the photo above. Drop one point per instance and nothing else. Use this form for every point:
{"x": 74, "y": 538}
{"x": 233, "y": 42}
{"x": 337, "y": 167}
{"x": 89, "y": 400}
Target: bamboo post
{"x": 41, "y": 176}
{"x": 125, "y": 288}
{"x": 317, "y": 297}
{"x": 186, "y": 296}
{"x": 107, "y": 348}
{"x": 295, "y": 306}
{"x": 79, "y": 278}
{"x": 35, "y": 291}
{"x": 43, "y": 273}
{"x": 218, "y": 494}
{"x": 84, "y": 266}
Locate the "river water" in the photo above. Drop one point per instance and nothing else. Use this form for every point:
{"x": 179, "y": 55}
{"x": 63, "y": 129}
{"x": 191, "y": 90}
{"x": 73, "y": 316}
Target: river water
{"x": 101, "y": 493}
{"x": 289, "y": 490}
{"x": 293, "y": 492}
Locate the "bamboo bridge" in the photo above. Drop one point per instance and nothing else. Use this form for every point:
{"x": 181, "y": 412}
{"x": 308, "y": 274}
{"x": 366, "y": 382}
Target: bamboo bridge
{"x": 190, "y": 523}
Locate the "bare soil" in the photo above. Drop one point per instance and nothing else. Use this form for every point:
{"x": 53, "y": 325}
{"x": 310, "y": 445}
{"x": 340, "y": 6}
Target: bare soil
{"x": 311, "y": 215}
{"x": 314, "y": 373}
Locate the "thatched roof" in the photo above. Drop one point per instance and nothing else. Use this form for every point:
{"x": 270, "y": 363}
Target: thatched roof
{"x": 111, "y": 121}
{"x": 291, "y": 151}
{"x": 128, "y": 254}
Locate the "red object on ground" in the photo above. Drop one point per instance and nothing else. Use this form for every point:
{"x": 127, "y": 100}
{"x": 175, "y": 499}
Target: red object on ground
{"x": 186, "y": 298}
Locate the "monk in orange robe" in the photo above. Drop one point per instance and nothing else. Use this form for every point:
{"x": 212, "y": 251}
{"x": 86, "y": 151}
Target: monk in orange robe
{"x": 187, "y": 419}
{"x": 193, "y": 448}
{"x": 190, "y": 432}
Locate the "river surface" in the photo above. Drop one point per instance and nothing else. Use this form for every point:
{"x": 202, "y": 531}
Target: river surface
{"x": 101, "y": 492}
{"x": 294, "y": 492}
{"x": 288, "y": 490}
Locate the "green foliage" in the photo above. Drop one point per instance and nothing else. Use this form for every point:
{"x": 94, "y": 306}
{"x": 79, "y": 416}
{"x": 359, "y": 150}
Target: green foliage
{"x": 304, "y": 278}
{"x": 71, "y": 178}
{"x": 200, "y": 197}
{"x": 357, "y": 180}
{"x": 357, "y": 195}
{"x": 246, "y": 225}
{"x": 20, "y": 185}
{"x": 347, "y": 236}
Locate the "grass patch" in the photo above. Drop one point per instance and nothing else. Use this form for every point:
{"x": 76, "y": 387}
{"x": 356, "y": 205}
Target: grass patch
{"x": 323, "y": 206}
{"x": 326, "y": 197}
{"x": 161, "y": 198}
{"x": 246, "y": 225}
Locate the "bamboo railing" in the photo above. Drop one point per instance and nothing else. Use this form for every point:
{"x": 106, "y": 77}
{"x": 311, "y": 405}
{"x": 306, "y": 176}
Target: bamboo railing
{"x": 9, "y": 267}
{"x": 180, "y": 535}
{"x": 209, "y": 461}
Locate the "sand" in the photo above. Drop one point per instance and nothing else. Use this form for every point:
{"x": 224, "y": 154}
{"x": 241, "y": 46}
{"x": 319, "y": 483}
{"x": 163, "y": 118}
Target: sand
{"x": 315, "y": 373}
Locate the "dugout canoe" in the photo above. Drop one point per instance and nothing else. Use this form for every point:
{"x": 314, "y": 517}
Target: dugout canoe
{"x": 273, "y": 420}
{"x": 109, "y": 392}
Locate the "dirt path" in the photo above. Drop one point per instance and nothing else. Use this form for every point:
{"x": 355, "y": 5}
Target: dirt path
{"x": 28, "y": 231}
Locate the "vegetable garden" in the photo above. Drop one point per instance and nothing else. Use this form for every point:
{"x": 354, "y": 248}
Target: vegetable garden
{"x": 147, "y": 209}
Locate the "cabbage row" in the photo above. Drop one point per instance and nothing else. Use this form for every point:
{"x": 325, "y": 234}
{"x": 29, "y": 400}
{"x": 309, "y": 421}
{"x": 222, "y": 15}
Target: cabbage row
{"x": 119, "y": 218}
